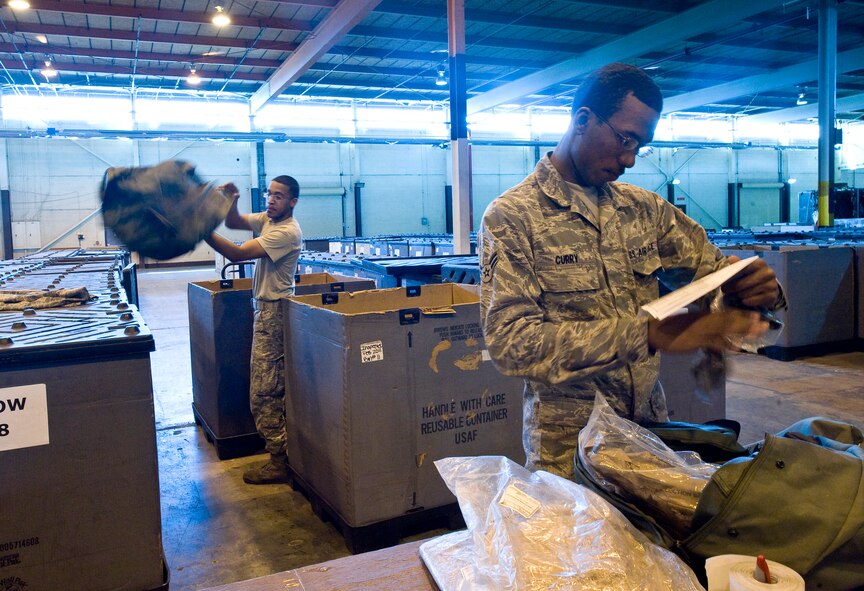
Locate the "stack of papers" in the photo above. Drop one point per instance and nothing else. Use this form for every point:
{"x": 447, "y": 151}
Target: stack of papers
{"x": 673, "y": 303}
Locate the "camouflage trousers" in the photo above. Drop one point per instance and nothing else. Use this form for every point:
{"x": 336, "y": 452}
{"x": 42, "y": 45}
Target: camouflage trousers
{"x": 551, "y": 425}
{"x": 550, "y": 433}
{"x": 267, "y": 379}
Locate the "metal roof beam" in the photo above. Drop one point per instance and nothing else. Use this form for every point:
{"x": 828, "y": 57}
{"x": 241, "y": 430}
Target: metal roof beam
{"x": 163, "y": 14}
{"x": 341, "y": 19}
{"x": 412, "y": 9}
{"x": 316, "y": 3}
{"x": 345, "y": 50}
{"x": 709, "y": 16}
{"x": 158, "y": 72}
{"x": 130, "y": 35}
{"x": 471, "y": 40}
{"x": 849, "y": 103}
{"x": 116, "y": 54}
{"x": 215, "y": 60}
{"x": 112, "y": 10}
{"x": 788, "y": 76}
{"x": 360, "y": 30}
{"x": 503, "y": 18}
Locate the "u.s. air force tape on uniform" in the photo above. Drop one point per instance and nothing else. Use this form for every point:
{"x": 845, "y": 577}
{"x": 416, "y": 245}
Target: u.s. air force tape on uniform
{"x": 734, "y": 572}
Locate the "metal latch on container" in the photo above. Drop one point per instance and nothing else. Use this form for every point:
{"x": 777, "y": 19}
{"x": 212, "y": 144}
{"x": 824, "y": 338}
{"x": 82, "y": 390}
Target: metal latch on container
{"x": 226, "y": 283}
{"x": 338, "y": 286}
{"x": 329, "y": 298}
{"x": 409, "y": 316}
{"x": 412, "y": 291}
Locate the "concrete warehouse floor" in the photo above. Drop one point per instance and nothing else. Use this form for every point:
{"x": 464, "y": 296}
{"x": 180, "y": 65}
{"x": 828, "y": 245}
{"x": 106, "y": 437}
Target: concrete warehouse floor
{"x": 218, "y": 530}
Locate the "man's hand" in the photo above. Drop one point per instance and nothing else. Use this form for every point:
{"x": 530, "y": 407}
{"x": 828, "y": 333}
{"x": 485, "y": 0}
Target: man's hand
{"x": 234, "y": 219}
{"x": 688, "y": 332}
{"x": 230, "y": 190}
{"x": 755, "y": 286}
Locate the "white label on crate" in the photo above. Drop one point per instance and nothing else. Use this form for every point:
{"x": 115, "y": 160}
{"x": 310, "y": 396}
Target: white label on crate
{"x": 519, "y": 501}
{"x": 23, "y": 417}
{"x": 484, "y": 355}
{"x": 397, "y": 251}
{"x": 370, "y": 352}
{"x": 308, "y": 269}
{"x": 418, "y": 253}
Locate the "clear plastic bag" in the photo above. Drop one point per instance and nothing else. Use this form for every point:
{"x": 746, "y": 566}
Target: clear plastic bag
{"x": 634, "y": 465}
{"x": 532, "y": 531}
{"x": 752, "y": 344}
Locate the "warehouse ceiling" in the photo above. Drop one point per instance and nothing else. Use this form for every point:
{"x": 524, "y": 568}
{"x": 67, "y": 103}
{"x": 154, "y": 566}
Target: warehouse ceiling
{"x": 754, "y": 57}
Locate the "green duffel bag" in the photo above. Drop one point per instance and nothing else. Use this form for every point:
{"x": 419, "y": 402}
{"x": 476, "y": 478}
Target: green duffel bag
{"x": 715, "y": 441}
{"x": 799, "y": 501}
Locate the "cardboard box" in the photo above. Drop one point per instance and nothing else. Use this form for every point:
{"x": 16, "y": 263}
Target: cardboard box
{"x": 819, "y": 289}
{"x": 220, "y": 337}
{"x": 382, "y": 383}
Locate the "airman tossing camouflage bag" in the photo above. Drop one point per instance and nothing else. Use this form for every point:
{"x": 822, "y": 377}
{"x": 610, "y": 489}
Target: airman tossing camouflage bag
{"x": 161, "y": 211}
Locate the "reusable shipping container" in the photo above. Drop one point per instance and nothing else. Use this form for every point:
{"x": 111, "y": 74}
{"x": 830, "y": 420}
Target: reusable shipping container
{"x": 382, "y": 383}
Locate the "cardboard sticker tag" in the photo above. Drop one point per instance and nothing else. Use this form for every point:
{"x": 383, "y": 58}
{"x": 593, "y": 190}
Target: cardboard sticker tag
{"x": 23, "y": 417}
{"x": 370, "y": 352}
{"x": 484, "y": 355}
{"x": 519, "y": 501}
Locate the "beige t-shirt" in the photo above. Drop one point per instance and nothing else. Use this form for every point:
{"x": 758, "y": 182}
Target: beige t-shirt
{"x": 274, "y": 274}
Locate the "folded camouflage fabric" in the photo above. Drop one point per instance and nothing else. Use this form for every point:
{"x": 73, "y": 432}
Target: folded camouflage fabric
{"x": 161, "y": 211}
{"x": 38, "y": 299}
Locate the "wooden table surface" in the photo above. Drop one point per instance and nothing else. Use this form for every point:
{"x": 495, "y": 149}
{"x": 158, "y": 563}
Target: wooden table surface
{"x": 392, "y": 569}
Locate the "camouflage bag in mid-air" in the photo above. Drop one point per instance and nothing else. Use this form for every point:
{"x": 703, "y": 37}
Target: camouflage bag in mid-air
{"x": 161, "y": 211}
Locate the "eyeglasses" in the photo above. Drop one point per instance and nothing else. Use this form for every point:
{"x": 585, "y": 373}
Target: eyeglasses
{"x": 626, "y": 142}
{"x": 276, "y": 195}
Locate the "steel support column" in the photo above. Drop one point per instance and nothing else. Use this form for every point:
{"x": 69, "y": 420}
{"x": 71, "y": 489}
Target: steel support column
{"x": 827, "y": 104}
{"x": 459, "y": 149}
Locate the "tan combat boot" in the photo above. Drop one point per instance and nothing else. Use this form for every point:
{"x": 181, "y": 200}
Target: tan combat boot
{"x": 275, "y": 471}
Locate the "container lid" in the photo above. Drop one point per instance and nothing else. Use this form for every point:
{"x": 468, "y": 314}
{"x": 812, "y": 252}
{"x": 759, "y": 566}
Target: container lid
{"x": 71, "y": 334}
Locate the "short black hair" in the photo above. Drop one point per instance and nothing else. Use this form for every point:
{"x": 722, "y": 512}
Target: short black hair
{"x": 605, "y": 89}
{"x": 290, "y": 182}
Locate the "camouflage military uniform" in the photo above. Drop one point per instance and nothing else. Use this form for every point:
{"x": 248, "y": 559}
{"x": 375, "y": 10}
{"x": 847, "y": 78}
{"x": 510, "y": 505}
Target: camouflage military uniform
{"x": 560, "y": 299}
{"x": 273, "y": 280}
{"x": 267, "y": 376}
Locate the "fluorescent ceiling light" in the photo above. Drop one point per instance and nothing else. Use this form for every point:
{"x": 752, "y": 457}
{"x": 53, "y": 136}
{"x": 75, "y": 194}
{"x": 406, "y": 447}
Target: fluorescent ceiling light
{"x": 48, "y": 71}
{"x": 221, "y": 18}
{"x": 19, "y": 4}
{"x": 193, "y": 78}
